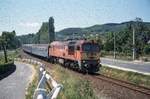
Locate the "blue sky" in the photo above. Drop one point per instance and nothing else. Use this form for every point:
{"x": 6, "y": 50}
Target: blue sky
{"x": 26, "y": 16}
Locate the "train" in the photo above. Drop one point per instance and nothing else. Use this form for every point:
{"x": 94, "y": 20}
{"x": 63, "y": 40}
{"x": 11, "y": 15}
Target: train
{"x": 80, "y": 55}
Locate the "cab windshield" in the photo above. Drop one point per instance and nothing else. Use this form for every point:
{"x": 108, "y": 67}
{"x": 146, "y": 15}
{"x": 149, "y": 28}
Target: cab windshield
{"x": 90, "y": 47}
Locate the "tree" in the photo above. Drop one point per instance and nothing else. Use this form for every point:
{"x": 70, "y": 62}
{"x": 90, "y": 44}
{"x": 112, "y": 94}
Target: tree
{"x": 99, "y": 40}
{"x": 3, "y": 45}
{"x": 8, "y": 41}
{"x": 51, "y": 30}
{"x": 141, "y": 35}
{"x": 9, "y": 38}
{"x": 109, "y": 45}
{"x": 147, "y": 49}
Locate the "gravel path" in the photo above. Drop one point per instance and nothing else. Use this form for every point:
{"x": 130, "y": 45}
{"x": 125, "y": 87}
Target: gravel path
{"x": 13, "y": 86}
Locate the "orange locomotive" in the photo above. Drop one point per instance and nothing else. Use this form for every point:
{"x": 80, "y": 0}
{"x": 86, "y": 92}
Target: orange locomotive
{"x": 77, "y": 54}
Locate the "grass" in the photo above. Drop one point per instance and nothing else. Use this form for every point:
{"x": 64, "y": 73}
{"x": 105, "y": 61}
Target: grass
{"x": 136, "y": 78}
{"x": 73, "y": 87}
{"x": 31, "y": 88}
{"x": 13, "y": 54}
{"x": 5, "y": 67}
{"x": 120, "y": 55}
{"x": 124, "y": 56}
{"x": 10, "y": 56}
{"x": 2, "y": 60}
{"x": 32, "y": 85}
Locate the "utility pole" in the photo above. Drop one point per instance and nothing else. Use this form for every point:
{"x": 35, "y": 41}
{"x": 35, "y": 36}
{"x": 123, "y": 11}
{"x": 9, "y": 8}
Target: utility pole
{"x": 114, "y": 45}
{"x": 133, "y": 44}
{"x": 134, "y": 26}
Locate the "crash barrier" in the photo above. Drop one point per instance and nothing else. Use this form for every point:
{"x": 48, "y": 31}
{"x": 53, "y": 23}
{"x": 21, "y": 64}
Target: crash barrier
{"x": 41, "y": 91}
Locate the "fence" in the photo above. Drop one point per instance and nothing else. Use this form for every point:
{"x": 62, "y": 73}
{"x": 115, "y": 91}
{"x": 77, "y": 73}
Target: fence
{"x": 41, "y": 91}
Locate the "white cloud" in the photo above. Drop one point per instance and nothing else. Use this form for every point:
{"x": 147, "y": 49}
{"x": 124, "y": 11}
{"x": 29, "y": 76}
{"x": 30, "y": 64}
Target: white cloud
{"x": 30, "y": 24}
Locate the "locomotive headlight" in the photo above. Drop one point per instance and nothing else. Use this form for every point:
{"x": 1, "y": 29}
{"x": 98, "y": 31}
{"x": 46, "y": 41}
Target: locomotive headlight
{"x": 99, "y": 61}
{"x": 83, "y": 61}
{"x": 85, "y": 65}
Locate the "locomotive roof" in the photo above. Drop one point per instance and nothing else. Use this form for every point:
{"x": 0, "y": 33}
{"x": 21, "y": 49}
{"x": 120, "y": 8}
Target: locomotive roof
{"x": 39, "y": 45}
{"x": 59, "y": 43}
{"x": 69, "y": 42}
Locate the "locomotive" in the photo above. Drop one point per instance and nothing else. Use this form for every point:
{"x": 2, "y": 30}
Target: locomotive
{"x": 79, "y": 55}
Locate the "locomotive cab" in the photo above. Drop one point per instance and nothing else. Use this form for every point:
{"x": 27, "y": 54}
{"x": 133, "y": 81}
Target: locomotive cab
{"x": 90, "y": 56}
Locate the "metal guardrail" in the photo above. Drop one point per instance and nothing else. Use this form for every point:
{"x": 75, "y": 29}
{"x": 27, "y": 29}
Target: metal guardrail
{"x": 41, "y": 91}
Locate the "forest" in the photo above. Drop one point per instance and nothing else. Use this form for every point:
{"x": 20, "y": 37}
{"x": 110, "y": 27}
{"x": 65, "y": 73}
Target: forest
{"x": 106, "y": 35}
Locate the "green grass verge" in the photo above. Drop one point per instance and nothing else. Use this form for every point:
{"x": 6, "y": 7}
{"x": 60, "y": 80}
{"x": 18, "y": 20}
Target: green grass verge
{"x": 2, "y": 61}
{"x": 4, "y": 67}
{"x": 31, "y": 89}
{"x": 73, "y": 87}
{"x": 121, "y": 56}
{"x": 14, "y": 54}
{"x": 32, "y": 85}
{"x": 10, "y": 54}
{"x": 136, "y": 78}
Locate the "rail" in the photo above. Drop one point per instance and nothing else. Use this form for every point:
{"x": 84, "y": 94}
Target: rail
{"x": 41, "y": 92}
{"x": 125, "y": 84}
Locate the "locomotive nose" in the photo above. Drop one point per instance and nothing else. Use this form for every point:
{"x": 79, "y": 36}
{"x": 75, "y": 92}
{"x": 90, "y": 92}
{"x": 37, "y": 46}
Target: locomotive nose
{"x": 91, "y": 65}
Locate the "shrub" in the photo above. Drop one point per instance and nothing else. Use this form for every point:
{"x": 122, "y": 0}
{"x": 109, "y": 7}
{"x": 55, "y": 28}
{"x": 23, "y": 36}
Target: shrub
{"x": 147, "y": 49}
{"x": 4, "y": 67}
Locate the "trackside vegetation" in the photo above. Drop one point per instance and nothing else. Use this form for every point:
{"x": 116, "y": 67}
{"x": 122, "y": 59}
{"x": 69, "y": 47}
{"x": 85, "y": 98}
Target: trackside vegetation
{"x": 32, "y": 85}
{"x": 73, "y": 87}
{"x": 133, "y": 77}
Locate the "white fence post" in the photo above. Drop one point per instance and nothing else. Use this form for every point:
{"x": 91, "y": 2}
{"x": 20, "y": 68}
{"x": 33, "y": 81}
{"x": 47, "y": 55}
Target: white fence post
{"x": 40, "y": 92}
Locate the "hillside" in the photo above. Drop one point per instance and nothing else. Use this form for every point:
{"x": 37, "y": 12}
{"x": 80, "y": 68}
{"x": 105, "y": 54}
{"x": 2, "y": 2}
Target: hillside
{"x": 98, "y": 29}
{"x": 109, "y": 27}
{"x": 42, "y": 35}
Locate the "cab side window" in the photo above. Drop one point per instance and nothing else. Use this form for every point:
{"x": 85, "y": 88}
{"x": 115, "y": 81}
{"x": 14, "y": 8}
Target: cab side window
{"x": 78, "y": 48}
{"x": 71, "y": 50}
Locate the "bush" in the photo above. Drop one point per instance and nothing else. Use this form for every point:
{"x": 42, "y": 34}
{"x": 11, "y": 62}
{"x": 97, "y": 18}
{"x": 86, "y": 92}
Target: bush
{"x": 147, "y": 49}
{"x": 4, "y": 67}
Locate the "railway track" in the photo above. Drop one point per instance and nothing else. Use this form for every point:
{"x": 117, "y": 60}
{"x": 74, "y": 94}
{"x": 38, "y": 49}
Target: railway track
{"x": 125, "y": 84}
{"x": 121, "y": 83}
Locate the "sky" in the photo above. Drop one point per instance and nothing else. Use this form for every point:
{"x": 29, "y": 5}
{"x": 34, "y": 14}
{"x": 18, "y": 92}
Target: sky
{"x": 26, "y": 16}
